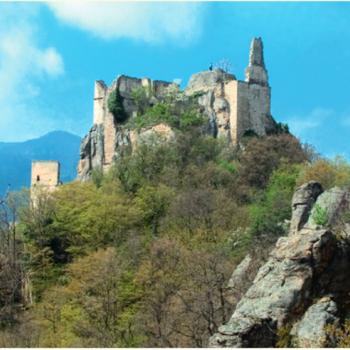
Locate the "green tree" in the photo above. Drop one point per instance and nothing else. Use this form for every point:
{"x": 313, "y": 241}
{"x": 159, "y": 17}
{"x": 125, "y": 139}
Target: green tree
{"x": 269, "y": 214}
{"x": 116, "y": 107}
{"x": 141, "y": 97}
{"x": 153, "y": 203}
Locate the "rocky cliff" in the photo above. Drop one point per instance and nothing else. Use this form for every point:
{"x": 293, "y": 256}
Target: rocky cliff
{"x": 229, "y": 107}
{"x": 304, "y": 285}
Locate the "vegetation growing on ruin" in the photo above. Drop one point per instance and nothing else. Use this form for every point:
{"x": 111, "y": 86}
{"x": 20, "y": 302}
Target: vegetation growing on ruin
{"x": 167, "y": 113}
{"x": 115, "y": 106}
{"x": 141, "y": 97}
{"x": 141, "y": 256}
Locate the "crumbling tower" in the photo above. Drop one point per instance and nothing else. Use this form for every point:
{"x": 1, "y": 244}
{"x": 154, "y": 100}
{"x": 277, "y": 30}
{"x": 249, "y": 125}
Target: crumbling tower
{"x": 250, "y": 100}
{"x": 100, "y": 93}
{"x": 45, "y": 177}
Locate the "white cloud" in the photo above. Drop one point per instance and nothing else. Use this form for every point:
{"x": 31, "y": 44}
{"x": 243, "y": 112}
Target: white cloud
{"x": 301, "y": 124}
{"x": 148, "y": 21}
{"x": 51, "y": 62}
{"x": 24, "y": 65}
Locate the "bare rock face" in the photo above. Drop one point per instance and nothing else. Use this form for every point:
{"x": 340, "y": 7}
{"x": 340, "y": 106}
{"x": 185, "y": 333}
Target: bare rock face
{"x": 310, "y": 264}
{"x": 333, "y": 203}
{"x": 207, "y": 80}
{"x": 310, "y": 331}
{"x": 91, "y": 152}
{"x": 303, "y": 200}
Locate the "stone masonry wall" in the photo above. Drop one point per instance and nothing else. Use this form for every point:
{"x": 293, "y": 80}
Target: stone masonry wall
{"x": 45, "y": 173}
{"x": 100, "y": 93}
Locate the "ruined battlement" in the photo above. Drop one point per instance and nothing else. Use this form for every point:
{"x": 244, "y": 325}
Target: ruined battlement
{"x": 126, "y": 85}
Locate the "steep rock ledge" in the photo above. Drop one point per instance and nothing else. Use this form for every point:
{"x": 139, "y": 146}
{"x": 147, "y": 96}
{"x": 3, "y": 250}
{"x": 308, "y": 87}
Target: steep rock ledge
{"x": 304, "y": 283}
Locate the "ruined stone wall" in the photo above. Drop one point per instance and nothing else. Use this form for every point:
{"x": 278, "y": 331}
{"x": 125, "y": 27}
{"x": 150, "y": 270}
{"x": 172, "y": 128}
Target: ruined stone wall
{"x": 100, "y": 93}
{"x": 106, "y": 139}
{"x": 259, "y": 106}
{"x": 253, "y": 105}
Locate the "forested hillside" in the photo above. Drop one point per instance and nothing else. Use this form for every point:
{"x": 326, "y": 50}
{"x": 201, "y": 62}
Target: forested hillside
{"x": 142, "y": 255}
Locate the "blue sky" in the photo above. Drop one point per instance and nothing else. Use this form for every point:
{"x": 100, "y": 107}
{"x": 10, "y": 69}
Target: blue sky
{"x": 51, "y": 53}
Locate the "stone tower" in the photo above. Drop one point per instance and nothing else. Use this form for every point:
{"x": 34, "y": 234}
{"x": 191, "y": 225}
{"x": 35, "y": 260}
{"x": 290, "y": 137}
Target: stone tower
{"x": 256, "y": 72}
{"x": 251, "y": 99}
{"x": 45, "y": 177}
{"x": 237, "y": 106}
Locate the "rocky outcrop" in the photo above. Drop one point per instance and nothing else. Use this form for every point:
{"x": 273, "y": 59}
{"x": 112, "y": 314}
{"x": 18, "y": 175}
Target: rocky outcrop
{"x": 207, "y": 80}
{"x": 310, "y": 331}
{"x": 302, "y": 202}
{"x": 91, "y": 152}
{"x": 303, "y": 281}
{"x": 332, "y": 203}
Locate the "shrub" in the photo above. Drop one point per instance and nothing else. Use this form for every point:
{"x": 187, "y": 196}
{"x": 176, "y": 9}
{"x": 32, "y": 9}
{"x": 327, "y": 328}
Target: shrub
{"x": 282, "y": 128}
{"x": 269, "y": 213}
{"x": 115, "y": 106}
{"x": 229, "y": 166}
{"x": 328, "y": 173}
{"x": 339, "y": 335}
{"x": 159, "y": 113}
{"x": 263, "y": 155}
{"x": 163, "y": 112}
{"x": 141, "y": 96}
{"x": 320, "y": 215}
{"x": 190, "y": 119}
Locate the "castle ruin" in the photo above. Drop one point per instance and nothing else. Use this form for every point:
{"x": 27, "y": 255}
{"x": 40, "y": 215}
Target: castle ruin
{"x": 232, "y": 108}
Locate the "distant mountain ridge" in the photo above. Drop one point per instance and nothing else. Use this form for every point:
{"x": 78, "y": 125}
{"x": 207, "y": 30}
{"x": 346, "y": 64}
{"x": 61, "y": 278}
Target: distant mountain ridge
{"x": 16, "y": 158}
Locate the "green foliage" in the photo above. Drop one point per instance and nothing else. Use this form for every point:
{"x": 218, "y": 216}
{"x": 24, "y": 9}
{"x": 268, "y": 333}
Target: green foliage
{"x": 339, "y": 334}
{"x": 164, "y": 112}
{"x": 269, "y": 214}
{"x": 153, "y": 203}
{"x": 115, "y": 106}
{"x": 282, "y": 128}
{"x": 97, "y": 177}
{"x": 329, "y": 173}
{"x": 147, "y": 164}
{"x": 262, "y": 156}
{"x": 285, "y": 339}
{"x": 190, "y": 119}
{"x": 229, "y": 166}
{"x": 141, "y": 96}
{"x": 159, "y": 113}
{"x": 135, "y": 257}
{"x": 319, "y": 215}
